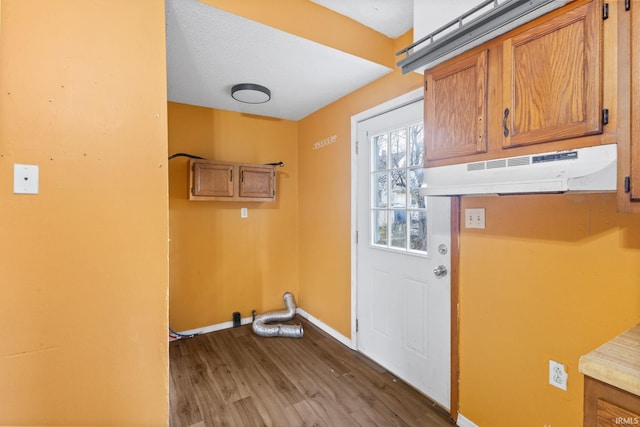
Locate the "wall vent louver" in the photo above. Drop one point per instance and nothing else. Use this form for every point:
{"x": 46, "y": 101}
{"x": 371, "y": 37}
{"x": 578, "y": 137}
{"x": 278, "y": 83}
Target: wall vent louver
{"x": 496, "y": 164}
{"x": 519, "y": 161}
{"x": 475, "y": 166}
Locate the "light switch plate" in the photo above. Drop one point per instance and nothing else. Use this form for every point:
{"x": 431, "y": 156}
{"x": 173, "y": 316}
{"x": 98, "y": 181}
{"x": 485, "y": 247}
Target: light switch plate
{"x": 25, "y": 179}
{"x": 474, "y": 218}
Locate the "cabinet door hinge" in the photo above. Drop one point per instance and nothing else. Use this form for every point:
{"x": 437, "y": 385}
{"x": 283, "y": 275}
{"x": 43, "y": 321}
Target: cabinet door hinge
{"x": 627, "y": 184}
{"x": 193, "y": 191}
{"x": 605, "y": 11}
{"x": 425, "y": 85}
{"x": 627, "y": 5}
{"x": 605, "y": 116}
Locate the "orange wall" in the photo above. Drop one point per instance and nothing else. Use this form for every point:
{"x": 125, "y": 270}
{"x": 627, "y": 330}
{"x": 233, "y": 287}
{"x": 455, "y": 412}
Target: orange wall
{"x": 551, "y": 277}
{"x": 83, "y": 313}
{"x": 325, "y": 197}
{"x": 219, "y": 262}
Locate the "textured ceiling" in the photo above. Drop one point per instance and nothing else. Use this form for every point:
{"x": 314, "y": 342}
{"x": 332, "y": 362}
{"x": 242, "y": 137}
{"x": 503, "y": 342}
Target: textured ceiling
{"x": 210, "y": 50}
{"x": 389, "y": 17}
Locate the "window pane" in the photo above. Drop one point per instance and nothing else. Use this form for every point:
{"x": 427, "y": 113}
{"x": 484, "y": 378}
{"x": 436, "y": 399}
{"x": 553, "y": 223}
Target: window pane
{"x": 398, "y": 188}
{"x": 399, "y": 229}
{"x": 379, "y": 152}
{"x": 416, "y": 144}
{"x": 418, "y": 231}
{"x": 398, "y": 145}
{"x": 379, "y": 227}
{"x": 380, "y": 190}
{"x": 416, "y": 179}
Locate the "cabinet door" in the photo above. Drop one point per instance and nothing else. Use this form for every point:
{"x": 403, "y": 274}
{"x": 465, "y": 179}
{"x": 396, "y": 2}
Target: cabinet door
{"x": 553, "y": 80}
{"x": 634, "y": 154}
{"x": 455, "y": 114}
{"x": 212, "y": 179}
{"x": 612, "y": 415}
{"x": 257, "y": 182}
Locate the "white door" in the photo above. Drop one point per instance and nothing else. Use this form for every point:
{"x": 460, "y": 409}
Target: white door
{"x": 403, "y": 308}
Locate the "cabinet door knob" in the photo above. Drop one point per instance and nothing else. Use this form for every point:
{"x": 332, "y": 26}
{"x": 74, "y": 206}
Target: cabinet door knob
{"x": 504, "y": 122}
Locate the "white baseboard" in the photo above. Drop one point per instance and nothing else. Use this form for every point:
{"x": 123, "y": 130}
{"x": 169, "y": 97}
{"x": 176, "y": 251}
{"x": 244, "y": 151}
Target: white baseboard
{"x": 465, "y": 422}
{"x": 213, "y": 328}
{"x": 246, "y": 320}
{"x": 326, "y": 328}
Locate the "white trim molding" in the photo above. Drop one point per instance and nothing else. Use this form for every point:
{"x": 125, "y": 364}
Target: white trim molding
{"x": 465, "y": 422}
{"x": 213, "y": 328}
{"x": 326, "y": 328}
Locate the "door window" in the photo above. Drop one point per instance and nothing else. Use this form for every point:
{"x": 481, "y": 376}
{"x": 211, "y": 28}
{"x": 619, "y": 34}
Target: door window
{"x": 398, "y": 213}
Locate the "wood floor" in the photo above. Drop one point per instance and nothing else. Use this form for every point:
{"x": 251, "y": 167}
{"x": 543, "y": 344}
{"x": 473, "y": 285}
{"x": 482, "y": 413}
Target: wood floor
{"x": 235, "y": 378}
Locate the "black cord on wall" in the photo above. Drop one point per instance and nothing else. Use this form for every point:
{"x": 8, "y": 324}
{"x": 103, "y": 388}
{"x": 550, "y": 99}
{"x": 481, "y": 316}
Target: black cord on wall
{"x": 191, "y": 156}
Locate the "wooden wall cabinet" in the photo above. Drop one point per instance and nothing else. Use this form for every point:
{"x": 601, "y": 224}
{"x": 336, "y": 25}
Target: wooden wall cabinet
{"x": 227, "y": 181}
{"x": 608, "y": 406}
{"x": 552, "y": 80}
{"x": 456, "y": 103}
{"x": 629, "y": 146}
{"x": 543, "y": 83}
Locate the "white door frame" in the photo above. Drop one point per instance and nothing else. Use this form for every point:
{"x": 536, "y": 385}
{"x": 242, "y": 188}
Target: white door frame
{"x": 400, "y": 101}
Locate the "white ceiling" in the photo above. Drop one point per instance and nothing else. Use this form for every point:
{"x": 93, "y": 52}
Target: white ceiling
{"x": 210, "y": 50}
{"x": 389, "y": 17}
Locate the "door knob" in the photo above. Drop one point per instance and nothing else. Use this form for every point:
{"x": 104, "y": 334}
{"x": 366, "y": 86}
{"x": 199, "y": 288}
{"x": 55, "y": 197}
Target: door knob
{"x": 440, "y": 271}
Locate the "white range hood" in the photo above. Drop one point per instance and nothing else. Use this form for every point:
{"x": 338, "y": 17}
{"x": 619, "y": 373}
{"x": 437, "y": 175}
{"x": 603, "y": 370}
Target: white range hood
{"x": 591, "y": 169}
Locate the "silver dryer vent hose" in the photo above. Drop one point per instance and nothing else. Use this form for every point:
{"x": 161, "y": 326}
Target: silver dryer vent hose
{"x": 261, "y": 328}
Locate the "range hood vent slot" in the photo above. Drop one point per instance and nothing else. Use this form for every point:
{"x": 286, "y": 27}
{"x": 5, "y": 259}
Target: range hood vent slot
{"x": 484, "y": 22}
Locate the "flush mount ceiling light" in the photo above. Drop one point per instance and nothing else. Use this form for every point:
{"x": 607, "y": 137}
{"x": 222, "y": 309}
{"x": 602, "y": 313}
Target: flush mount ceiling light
{"x": 250, "y": 93}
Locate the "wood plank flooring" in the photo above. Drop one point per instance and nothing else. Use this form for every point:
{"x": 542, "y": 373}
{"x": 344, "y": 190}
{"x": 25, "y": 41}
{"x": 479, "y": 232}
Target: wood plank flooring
{"x": 237, "y": 379}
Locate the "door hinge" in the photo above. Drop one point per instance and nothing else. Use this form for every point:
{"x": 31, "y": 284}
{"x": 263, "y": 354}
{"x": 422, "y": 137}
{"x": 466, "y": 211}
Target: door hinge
{"x": 627, "y": 184}
{"x": 193, "y": 191}
{"x": 627, "y": 5}
{"x": 605, "y": 11}
{"x": 605, "y": 116}
{"x": 356, "y": 147}
{"x": 356, "y": 237}
{"x": 425, "y": 85}
{"x": 357, "y": 326}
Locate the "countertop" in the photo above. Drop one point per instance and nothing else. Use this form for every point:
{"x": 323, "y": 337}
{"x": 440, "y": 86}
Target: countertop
{"x": 616, "y": 362}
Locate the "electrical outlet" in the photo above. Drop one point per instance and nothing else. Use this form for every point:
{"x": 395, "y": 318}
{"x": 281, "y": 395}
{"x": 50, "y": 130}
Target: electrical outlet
{"x": 474, "y": 218}
{"x": 244, "y": 213}
{"x": 557, "y": 375}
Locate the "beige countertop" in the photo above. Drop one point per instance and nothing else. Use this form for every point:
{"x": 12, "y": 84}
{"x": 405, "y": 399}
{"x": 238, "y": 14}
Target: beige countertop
{"x": 616, "y": 362}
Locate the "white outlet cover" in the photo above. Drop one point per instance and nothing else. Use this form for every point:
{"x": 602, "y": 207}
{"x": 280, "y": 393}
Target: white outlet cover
{"x": 25, "y": 179}
{"x": 557, "y": 375}
{"x": 474, "y": 218}
{"x": 244, "y": 213}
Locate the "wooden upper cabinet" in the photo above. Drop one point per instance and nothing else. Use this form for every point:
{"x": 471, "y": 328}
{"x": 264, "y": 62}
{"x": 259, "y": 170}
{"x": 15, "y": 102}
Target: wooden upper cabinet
{"x": 212, "y": 179}
{"x": 226, "y": 181}
{"x": 552, "y": 79}
{"x": 455, "y": 115}
{"x": 257, "y": 181}
{"x": 631, "y": 168}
